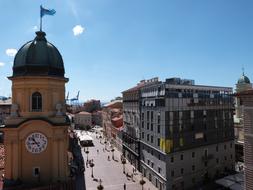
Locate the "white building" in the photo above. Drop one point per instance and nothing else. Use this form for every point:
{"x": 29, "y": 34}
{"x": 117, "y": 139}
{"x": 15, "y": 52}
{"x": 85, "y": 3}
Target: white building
{"x": 83, "y": 119}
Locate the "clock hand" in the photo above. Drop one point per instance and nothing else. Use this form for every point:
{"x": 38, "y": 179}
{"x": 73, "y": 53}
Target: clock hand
{"x": 35, "y": 142}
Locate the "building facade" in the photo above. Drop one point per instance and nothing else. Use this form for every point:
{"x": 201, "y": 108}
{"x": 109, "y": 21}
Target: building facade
{"x": 186, "y": 133}
{"x": 36, "y": 133}
{"x": 5, "y": 109}
{"x": 246, "y": 98}
{"x": 97, "y": 118}
{"x": 243, "y": 84}
{"x": 92, "y": 106}
{"x": 83, "y": 120}
{"x": 132, "y": 120}
{"x": 112, "y": 122}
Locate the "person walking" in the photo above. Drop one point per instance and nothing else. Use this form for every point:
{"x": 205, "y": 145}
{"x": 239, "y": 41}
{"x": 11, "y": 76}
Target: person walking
{"x": 124, "y": 186}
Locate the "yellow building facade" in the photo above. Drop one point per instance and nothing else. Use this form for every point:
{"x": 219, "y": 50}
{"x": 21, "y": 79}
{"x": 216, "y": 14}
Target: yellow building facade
{"x": 36, "y": 133}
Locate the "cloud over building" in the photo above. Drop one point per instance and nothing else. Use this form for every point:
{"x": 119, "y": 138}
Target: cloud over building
{"x": 77, "y": 30}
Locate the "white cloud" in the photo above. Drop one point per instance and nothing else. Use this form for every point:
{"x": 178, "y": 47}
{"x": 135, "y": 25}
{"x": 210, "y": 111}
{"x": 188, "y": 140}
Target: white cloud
{"x": 2, "y": 64}
{"x": 35, "y": 28}
{"x": 77, "y": 30}
{"x": 11, "y": 52}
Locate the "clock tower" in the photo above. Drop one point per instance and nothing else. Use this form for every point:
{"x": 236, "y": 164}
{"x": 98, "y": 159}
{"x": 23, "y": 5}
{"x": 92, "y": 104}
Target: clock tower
{"x": 36, "y": 133}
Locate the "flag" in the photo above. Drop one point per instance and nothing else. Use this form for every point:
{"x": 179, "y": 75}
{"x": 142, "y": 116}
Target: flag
{"x": 44, "y": 11}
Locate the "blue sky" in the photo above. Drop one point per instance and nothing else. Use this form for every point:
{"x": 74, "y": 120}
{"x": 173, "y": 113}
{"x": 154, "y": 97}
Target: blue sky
{"x": 125, "y": 41}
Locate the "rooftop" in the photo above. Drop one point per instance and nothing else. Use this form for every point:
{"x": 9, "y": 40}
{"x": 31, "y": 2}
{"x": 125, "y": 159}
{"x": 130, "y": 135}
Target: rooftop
{"x": 141, "y": 84}
{"x": 6, "y": 102}
{"x": 111, "y": 104}
{"x": 84, "y": 113}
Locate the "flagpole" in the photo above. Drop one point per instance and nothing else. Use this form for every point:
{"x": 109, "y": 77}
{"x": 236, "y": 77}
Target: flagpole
{"x": 40, "y": 23}
{"x": 40, "y": 18}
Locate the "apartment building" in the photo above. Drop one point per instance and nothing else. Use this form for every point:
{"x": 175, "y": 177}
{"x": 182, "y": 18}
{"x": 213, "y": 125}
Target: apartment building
{"x": 131, "y": 118}
{"x": 186, "y": 133}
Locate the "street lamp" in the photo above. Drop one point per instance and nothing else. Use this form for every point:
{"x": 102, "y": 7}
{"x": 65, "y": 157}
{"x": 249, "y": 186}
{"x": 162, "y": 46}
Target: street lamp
{"x": 105, "y": 144}
{"x": 112, "y": 153}
{"x": 92, "y": 165}
{"x": 123, "y": 161}
{"x": 100, "y": 187}
{"x": 87, "y": 152}
{"x": 142, "y": 181}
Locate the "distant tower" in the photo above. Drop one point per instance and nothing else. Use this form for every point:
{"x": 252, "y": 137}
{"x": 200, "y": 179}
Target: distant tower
{"x": 243, "y": 84}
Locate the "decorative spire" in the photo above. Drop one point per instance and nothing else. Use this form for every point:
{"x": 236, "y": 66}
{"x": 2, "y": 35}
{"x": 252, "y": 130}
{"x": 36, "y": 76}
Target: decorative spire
{"x": 40, "y": 36}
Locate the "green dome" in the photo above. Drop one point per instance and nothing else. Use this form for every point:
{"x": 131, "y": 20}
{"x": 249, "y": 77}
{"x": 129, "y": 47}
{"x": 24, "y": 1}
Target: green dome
{"x": 38, "y": 58}
{"x": 243, "y": 80}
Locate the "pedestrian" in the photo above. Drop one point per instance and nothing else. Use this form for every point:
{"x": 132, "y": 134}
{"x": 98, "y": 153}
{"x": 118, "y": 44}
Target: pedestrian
{"x": 97, "y": 151}
{"x": 108, "y": 158}
{"x": 124, "y": 186}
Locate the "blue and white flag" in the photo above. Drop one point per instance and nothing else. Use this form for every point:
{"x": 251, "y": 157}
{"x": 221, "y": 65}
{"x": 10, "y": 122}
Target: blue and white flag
{"x": 44, "y": 11}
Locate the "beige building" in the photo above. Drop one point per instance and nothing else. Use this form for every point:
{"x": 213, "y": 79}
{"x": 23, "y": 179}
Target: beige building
{"x": 36, "y": 133}
{"x": 5, "y": 109}
{"x": 83, "y": 119}
{"x": 246, "y": 98}
{"x": 243, "y": 84}
{"x": 112, "y": 122}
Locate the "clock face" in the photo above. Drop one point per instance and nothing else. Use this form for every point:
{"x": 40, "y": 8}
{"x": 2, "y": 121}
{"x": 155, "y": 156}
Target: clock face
{"x": 36, "y": 143}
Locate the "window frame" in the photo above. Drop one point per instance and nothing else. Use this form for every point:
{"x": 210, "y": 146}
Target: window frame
{"x": 38, "y": 105}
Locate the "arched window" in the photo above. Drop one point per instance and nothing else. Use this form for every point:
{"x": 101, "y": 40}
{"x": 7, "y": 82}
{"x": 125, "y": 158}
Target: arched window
{"x": 36, "y": 101}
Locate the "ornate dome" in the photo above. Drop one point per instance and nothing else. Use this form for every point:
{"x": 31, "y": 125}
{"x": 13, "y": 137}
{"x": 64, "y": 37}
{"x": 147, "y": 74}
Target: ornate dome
{"x": 38, "y": 58}
{"x": 243, "y": 80}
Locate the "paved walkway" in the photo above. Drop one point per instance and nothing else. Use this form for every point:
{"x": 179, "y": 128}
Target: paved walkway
{"x": 111, "y": 172}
